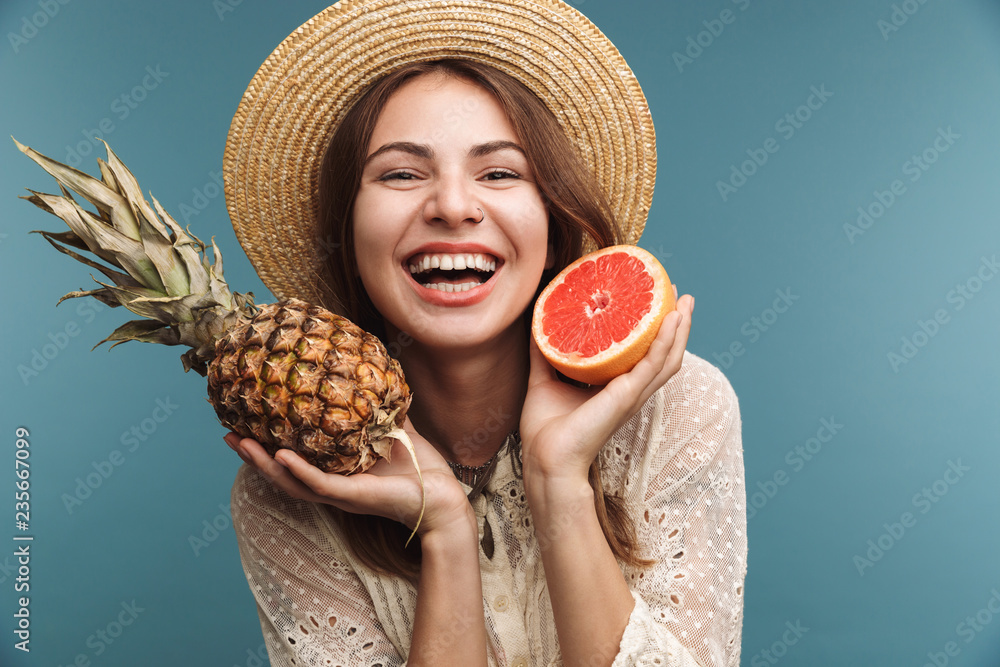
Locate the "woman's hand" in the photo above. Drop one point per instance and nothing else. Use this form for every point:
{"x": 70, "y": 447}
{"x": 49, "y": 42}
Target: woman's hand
{"x": 387, "y": 489}
{"x": 563, "y": 427}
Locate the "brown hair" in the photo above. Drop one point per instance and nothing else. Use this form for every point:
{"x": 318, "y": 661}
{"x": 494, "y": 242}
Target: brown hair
{"x": 577, "y": 208}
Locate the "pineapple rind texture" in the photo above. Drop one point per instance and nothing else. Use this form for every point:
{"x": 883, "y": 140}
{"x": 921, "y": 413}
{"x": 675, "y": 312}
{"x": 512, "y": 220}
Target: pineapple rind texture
{"x": 300, "y": 377}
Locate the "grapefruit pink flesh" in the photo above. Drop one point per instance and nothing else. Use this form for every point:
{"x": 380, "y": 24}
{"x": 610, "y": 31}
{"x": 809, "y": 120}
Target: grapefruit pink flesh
{"x": 598, "y": 304}
{"x": 598, "y": 317}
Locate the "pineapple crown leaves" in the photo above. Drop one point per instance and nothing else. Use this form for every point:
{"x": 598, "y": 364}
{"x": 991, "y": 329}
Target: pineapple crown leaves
{"x": 160, "y": 271}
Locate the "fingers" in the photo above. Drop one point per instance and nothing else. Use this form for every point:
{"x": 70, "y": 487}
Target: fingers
{"x": 308, "y": 474}
{"x": 666, "y": 353}
{"x": 233, "y": 441}
{"x": 685, "y": 306}
{"x": 254, "y": 454}
{"x": 359, "y": 494}
{"x": 671, "y": 342}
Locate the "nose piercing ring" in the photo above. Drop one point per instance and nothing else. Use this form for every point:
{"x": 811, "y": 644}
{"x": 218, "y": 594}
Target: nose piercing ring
{"x": 482, "y": 214}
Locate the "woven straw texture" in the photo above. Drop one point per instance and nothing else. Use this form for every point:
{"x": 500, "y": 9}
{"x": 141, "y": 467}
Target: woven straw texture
{"x": 302, "y": 91}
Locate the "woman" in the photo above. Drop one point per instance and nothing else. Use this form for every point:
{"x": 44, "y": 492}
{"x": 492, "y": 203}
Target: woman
{"x": 587, "y": 525}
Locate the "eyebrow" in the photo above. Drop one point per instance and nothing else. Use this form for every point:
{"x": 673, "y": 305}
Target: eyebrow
{"x": 426, "y": 152}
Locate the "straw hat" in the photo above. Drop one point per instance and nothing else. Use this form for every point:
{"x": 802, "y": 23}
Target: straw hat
{"x": 303, "y": 90}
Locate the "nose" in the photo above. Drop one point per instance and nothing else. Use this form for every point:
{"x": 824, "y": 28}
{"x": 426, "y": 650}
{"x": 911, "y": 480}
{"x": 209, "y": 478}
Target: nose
{"x": 452, "y": 203}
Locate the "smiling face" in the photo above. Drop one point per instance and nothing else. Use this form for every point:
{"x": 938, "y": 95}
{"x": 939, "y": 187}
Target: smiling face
{"x": 442, "y": 156}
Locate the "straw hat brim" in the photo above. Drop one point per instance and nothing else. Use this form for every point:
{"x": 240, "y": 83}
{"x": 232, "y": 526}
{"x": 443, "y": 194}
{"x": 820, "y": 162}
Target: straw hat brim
{"x": 303, "y": 90}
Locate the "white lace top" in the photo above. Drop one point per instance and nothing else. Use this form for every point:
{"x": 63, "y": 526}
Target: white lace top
{"x": 678, "y": 462}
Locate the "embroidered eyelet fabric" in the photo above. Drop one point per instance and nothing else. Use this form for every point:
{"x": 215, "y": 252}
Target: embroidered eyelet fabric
{"x": 678, "y": 463}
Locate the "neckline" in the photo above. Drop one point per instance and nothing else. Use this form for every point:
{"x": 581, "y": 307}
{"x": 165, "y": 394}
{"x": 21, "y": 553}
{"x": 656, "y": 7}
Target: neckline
{"x": 488, "y": 472}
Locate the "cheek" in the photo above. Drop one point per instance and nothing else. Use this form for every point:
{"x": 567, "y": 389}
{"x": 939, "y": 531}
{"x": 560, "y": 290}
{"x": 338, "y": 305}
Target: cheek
{"x": 373, "y": 231}
{"x": 536, "y": 236}
{"x": 369, "y": 248}
{"x": 375, "y": 284}
{"x": 370, "y": 263}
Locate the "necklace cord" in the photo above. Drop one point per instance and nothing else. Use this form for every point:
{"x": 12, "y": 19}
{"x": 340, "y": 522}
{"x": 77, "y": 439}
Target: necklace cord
{"x": 478, "y": 476}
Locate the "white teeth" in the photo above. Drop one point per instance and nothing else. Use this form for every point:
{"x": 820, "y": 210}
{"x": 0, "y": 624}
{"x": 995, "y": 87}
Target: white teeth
{"x": 476, "y": 261}
{"x": 448, "y": 287}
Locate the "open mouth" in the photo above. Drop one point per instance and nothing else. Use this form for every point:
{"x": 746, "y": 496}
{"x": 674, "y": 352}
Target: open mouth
{"x": 452, "y": 272}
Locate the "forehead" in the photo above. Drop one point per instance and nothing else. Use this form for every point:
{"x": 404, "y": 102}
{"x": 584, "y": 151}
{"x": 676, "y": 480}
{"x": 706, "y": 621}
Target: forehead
{"x": 437, "y": 106}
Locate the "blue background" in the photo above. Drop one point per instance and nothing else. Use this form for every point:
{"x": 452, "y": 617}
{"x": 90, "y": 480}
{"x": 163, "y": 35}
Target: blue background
{"x": 855, "y": 297}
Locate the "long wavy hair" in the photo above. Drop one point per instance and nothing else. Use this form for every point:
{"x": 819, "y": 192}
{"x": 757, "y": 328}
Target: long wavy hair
{"x": 577, "y": 209}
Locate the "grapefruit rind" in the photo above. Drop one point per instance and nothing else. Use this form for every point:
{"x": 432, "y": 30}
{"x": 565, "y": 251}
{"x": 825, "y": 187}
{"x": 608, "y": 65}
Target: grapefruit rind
{"x": 622, "y": 356}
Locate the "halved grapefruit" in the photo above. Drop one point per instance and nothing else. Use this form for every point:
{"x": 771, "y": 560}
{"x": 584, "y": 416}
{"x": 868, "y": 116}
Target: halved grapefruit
{"x": 598, "y": 317}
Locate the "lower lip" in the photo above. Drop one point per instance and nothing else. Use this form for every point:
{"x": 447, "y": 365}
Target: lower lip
{"x": 453, "y": 299}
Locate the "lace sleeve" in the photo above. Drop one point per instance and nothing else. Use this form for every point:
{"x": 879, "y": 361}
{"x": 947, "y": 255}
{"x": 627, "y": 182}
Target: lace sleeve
{"x": 313, "y": 609}
{"x": 679, "y": 462}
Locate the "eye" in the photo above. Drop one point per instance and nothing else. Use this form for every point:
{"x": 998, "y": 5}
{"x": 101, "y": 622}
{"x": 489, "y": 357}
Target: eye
{"x": 397, "y": 176}
{"x": 502, "y": 173}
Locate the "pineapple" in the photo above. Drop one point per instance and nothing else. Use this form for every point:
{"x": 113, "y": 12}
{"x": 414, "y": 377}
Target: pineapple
{"x": 289, "y": 374}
